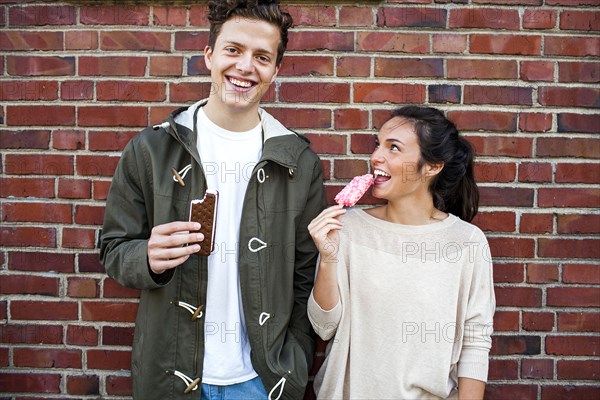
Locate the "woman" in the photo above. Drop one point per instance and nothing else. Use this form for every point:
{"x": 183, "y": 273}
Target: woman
{"x": 405, "y": 289}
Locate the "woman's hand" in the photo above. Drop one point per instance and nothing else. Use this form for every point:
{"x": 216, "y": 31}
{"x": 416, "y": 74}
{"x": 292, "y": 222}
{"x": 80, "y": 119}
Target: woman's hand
{"x": 324, "y": 232}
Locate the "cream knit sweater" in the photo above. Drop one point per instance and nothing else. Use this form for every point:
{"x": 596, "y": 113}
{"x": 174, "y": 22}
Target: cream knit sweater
{"x": 415, "y": 311}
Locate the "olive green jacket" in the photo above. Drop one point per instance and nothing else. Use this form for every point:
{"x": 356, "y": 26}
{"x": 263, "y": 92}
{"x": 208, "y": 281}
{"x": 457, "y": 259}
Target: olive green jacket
{"x": 277, "y": 258}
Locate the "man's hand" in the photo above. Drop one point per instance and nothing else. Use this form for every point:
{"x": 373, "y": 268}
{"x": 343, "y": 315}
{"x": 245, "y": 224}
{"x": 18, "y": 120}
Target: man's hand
{"x": 166, "y": 247}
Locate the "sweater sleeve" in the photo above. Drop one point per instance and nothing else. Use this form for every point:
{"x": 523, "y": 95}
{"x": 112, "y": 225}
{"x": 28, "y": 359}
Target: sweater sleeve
{"x": 473, "y": 361}
{"x": 325, "y": 323}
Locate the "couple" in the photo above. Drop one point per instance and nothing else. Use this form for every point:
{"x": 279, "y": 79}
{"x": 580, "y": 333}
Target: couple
{"x": 404, "y": 290}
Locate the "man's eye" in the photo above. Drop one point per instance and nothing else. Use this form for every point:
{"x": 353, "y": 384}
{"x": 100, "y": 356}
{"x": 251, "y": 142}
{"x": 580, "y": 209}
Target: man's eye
{"x": 263, "y": 59}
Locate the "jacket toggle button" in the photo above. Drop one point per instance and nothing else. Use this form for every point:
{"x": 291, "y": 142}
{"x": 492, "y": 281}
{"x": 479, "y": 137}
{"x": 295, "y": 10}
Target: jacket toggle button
{"x": 261, "y": 245}
{"x": 196, "y": 311}
{"x": 192, "y": 384}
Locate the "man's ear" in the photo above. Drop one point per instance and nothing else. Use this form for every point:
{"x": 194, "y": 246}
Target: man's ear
{"x": 433, "y": 169}
{"x": 275, "y": 74}
{"x": 208, "y": 56}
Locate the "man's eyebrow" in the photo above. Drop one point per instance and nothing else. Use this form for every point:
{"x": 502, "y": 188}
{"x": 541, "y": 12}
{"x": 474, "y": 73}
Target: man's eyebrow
{"x": 237, "y": 44}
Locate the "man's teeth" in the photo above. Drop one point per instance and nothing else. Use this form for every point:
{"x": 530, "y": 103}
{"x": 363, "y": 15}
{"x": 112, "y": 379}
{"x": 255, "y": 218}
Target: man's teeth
{"x": 237, "y": 82}
{"x": 381, "y": 173}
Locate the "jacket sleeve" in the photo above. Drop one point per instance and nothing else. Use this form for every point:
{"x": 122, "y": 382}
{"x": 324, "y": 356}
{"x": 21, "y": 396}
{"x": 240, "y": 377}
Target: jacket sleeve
{"x": 305, "y": 258}
{"x": 125, "y": 233}
{"x": 473, "y": 361}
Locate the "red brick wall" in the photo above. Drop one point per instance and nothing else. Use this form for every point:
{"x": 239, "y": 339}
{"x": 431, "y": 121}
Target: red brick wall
{"x": 519, "y": 77}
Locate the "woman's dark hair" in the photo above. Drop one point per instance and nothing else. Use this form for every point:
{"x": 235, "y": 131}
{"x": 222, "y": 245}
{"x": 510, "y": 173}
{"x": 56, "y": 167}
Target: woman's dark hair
{"x": 219, "y": 11}
{"x": 454, "y": 189}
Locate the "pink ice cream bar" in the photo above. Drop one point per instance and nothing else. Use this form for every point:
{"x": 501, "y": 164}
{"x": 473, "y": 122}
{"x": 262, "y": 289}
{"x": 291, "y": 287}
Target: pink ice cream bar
{"x": 353, "y": 191}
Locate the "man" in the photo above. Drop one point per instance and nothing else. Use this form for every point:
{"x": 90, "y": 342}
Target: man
{"x": 235, "y": 320}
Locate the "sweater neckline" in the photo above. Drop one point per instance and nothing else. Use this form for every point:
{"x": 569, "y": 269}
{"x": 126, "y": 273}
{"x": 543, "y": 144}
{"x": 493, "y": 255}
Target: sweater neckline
{"x": 401, "y": 228}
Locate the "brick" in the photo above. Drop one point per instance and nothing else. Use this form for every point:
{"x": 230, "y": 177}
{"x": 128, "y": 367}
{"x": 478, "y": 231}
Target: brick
{"x": 302, "y": 118}
{"x": 30, "y": 334}
{"x": 579, "y": 72}
{"x": 44, "y": 262}
{"x": 536, "y": 223}
{"x": 581, "y": 273}
{"x": 413, "y": 67}
{"x": 39, "y": 164}
{"x": 510, "y": 391}
{"x": 130, "y": 91}
{"x": 386, "y": 92}
{"x": 475, "y": 120}
{"x": 40, "y": 115}
{"x": 578, "y": 369}
{"x": 481, "y": 69}
{"x": 41, "y": 15}
{"x": 166, "y": 66}
{"x": 539, "y": 19}
{"x": 498, "y": 95}
{"x": 510, "y": 2}
{"x": 189, "y": 91}
{"x": 25, "y": 139}
{"x": 412, "y": 17}
{"x": 509, "y": 146}
{"x": 568, "y": 147}
{"x": 327, "y": 144}
{"x": 89, "y": 215}
{"x": 580, "y": 20}
{"x": 97, "y": 165}
{"x": 117, "y": 336}
{"x": 82, "y": 287}
{"x": 449, "y": 43}
{"x": 569, "y": 197}
{"x": 348, "y": 169}
{"x": 350, "y": 118}
{"x": 169, "y": 16}
{"x": 26, "y": 41}
{"x": 444, "y": 94}
{"x": 80, "y": 335}
{"x": 356, "y": 16}
{"x": 119, "y": 385}
{"x": 570, "y": 392}
{"x": 40, "y": 66}
{"x": 83, "y": 385}
{"x": 570, "y": 3}
{"x": 569, "y": 97}
{"x": 509, "y": 273}
{"x": 191, "y": 41}
{"x": 35, "y": 382}
{"x": 81, "y": 40}
{"x": 113, "y": 15}
{"x": 578, "y": 322}
{"x": 584, "y": 123}
{"x": 199, "y": 16}
{"x": 74, "y": 188}
{"x": 535, "y": 122}
{"x": 68, "y": 139}
{"x": 306, "y": 66}
{"x": 535, "y": 172}
{"x": 487, "y": 18}
{"x": 506, "y": 196}
{"x": 108, "y": 311}
{"x": 90, "y": 263}
{"x": 112, "y": 66}
{"x": 516, "y": 344}
{"x": 47, "y": 358}
{"x": 109, "y": 140}
{"x": 320, "y": 40}
{"x": 3, "y": 357}
{"x": 159, "y": 114}
{"x": 518, "y": 296}
{"x": 578, "y": 46}
{"x": 534, "y": 321}
{"x": 77, "y": 90}
{"x": 506, "y": 321}
{"x": 495, "y": 172}
{"x": 108, "y": 359}
{"x": 326, "y": 167}
{"x": 113, "y": 289}
{"x": 506, "y": 44}
{"x": 100, "y": 190}
{"x": 573, "y": 296}
{"x": 24, "y": 284}
{"x": 27, "y": 236}
{"x": 577, "y": 173}
{"x": 294, "y": 92}
{"x": 569, "y": 248}
{"x": 573, "y": 345}
{"x": 542, "y": 273}
{"x": 393, "y": 42}
{"x": 43, "y": 310}
{"x": 37, "y": 212}
{"x": 113, "y": 116}
{"x": 353, "y": 67}
{"x": 537, "y": 71}
{"x": 135, "y": 41}
{"x": 313, "y": 16}
{"x": 362, "y": 144}
{"x": 537, "y": 369}
{"x": 27, "y": 187}
{"x": 79, "y": 238}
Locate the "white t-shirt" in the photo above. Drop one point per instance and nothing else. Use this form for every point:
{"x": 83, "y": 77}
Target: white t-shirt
{"x": 228, "y": 159}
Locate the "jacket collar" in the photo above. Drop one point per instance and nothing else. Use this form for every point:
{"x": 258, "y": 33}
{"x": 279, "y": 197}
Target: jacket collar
{"x": 277, "y": 145}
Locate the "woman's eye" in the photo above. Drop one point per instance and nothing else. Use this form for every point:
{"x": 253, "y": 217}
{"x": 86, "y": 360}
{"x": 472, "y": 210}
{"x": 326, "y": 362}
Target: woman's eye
{"x": 394, "y": 148}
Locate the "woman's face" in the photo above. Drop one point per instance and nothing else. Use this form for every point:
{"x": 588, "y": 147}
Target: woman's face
{"x": 395, "y": 161}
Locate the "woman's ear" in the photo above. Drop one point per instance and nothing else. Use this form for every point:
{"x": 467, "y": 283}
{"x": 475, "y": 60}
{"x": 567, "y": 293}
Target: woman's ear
{"x": 433, "y": 169}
